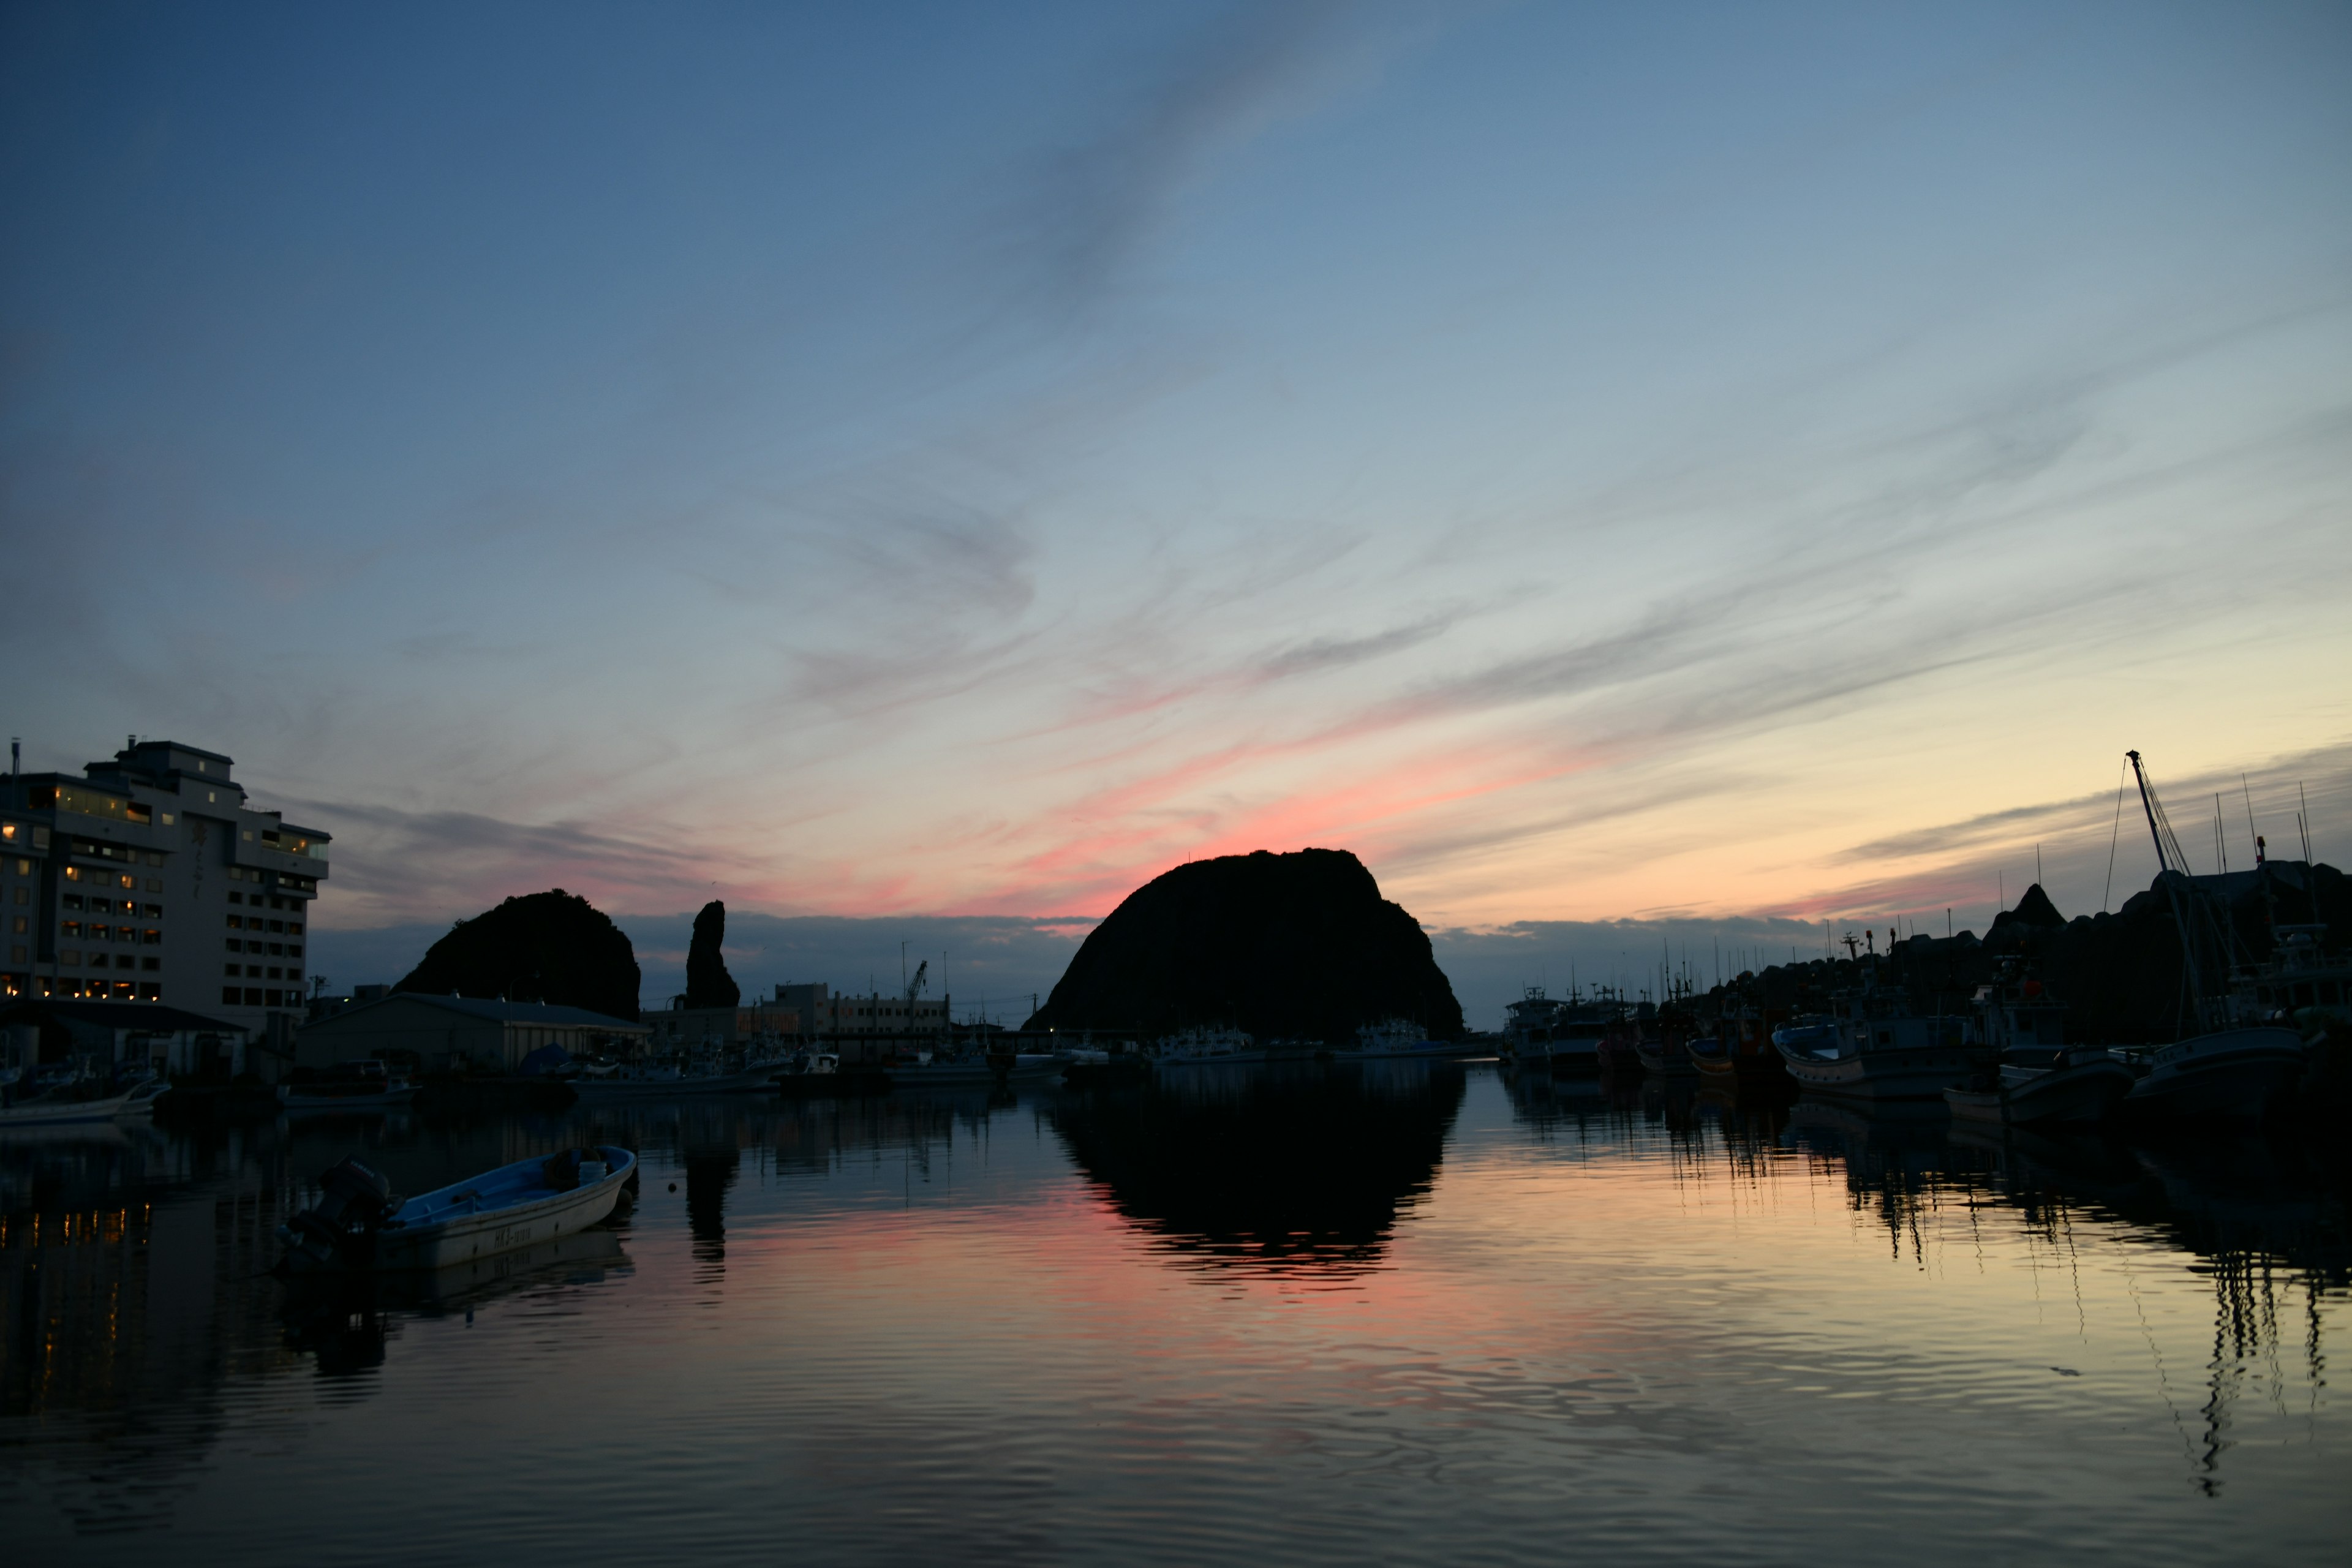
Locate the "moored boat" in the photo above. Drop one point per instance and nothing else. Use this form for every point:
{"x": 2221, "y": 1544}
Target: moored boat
{"x": 1873, "y": 1046}
{"x": 2082, "y": 1084}
{"x": 1209, "y": 1048}
{"x": 363, "y": 1085}
{"x": 2225, "y": 1074}
{"x": 1740, "y": 1050}
{"x": 2239, "y": 1060}
{"x": 1397, "y": 1038}
{"x": 70, "y": 1094}
{"x": 360, "y": 1224}
{"x": 47, "y": 1110}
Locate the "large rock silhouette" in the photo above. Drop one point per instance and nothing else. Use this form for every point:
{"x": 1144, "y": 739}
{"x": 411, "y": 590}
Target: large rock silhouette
{"x": 1297, "y": 946}
{"x": 708, "y": 983}
{"x": 551, "y": 947}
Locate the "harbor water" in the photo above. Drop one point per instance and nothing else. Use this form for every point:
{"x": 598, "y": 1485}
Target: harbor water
{"x": 1386, "y": 1312}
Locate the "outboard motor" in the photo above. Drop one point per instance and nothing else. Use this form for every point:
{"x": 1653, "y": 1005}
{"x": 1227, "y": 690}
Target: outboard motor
{"x": 340, "y": 1229}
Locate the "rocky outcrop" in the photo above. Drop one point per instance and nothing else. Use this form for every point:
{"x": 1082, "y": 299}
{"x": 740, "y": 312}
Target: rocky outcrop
{"x": 1299, "y": 946}
{"x": 550, "y": 947}
{"x": 708, "y": 983}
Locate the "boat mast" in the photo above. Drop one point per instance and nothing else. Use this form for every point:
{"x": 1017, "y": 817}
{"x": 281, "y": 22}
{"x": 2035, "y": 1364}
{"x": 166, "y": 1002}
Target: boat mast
{"x": 2158, "y": 827}
{"x": 2160, "y": 830}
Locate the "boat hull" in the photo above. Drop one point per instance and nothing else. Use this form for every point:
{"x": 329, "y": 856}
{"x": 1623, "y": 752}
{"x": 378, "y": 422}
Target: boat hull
{"x": 2233, "y": 1074}
{"x": 468, "y": 1238}
{"x": 1901, "y": 1072}
{"x": 1669, "y": 1061}
{"x": 67, "y": 1113}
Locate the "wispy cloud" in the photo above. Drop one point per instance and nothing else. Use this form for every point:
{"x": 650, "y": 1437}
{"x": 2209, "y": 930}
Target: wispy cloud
{"x": 1092, "y": 203}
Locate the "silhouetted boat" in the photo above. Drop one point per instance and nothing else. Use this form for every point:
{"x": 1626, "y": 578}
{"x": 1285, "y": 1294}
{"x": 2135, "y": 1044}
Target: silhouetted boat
{"x": 1874, "y": 1046}
{"x": 2081, "y": 1085}
{"x": 2227, "y": 1073}
{"x": 2238, "y": 1063}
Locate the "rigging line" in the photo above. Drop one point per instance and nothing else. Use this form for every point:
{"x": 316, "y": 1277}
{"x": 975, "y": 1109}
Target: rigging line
{"x": 2113, "y": 834}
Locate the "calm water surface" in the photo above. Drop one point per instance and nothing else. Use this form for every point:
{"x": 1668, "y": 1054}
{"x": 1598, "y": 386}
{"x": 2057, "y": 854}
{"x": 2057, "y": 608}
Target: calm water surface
{"x": 1362, "y": 1314}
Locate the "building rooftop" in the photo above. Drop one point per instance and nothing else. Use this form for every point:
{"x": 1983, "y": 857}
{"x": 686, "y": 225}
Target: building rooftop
{"x": 152, "y": 1017}
{"x": 499, "y": 1012}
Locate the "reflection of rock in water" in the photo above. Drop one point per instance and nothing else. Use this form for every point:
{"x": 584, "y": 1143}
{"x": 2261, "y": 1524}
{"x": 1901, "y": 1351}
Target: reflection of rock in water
{"x": 1291, "y": 1172}
{"x": 708, "y": 1173}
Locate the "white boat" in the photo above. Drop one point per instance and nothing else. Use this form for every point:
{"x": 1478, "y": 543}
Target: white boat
{"x": 358, "y": 1222}
{"x": 142, "y": 1095}
{"x": 70, "y": 1094}
{"x": 53, "y": 1110}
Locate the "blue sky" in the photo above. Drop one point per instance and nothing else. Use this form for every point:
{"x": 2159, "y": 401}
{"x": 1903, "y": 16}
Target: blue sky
{"x": 882, "y": 461}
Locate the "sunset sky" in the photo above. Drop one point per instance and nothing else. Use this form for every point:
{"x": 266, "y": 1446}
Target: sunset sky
{"x": 1591, "y": 462}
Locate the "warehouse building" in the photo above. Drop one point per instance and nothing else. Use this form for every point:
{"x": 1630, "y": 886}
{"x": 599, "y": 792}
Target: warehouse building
{"x": 435, "y": 1033}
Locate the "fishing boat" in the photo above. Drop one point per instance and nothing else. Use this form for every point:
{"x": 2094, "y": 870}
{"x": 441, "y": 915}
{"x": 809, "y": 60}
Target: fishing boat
{"x": 360, "y": 1224}
{"x": 1664, "y": 1045}
{"x": 2081, "y": 1083}
{"x": 2224, "y": 1074}
{"x": 1209, "y": 1048}
{"x": 2238, "y": 1061}
{"x": 1740, "y": 1050}
{"x": 1397, "y": 1038}
{"x": 1621, "y": 1044}
{"x": 1873, "y": 1046}
{"x": 363, "y": 1085}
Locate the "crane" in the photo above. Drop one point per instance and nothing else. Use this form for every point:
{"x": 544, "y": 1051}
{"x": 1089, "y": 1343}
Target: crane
{"x": 915, "y": 987}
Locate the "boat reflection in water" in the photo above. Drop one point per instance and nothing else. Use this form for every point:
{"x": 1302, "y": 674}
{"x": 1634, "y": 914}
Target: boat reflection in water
{"x": 342, "y": 1321}
{"x": 2267, "y": 1221}
{"x": 1281, "y": 1169}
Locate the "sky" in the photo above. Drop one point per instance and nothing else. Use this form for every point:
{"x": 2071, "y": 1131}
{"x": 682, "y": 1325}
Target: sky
{"x": 901, "y": 463}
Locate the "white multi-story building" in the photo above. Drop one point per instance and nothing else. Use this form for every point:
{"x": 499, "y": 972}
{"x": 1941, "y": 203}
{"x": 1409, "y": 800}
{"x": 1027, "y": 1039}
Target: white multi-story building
{"x": 825, "y": 1012}
{"x": 150, "y": 879}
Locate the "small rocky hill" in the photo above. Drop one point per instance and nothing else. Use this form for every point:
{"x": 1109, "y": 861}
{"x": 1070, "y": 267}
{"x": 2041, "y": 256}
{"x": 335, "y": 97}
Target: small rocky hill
{"x": 553, "y": 947}
{"x": 1297, "y": 946}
